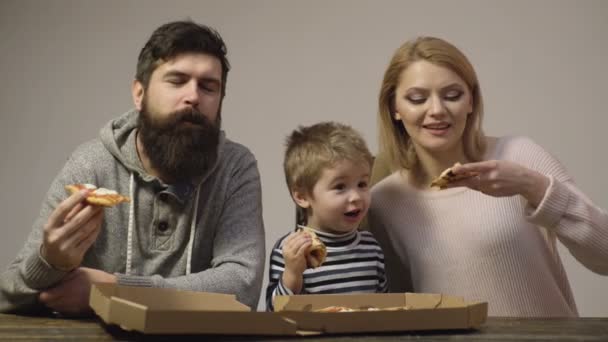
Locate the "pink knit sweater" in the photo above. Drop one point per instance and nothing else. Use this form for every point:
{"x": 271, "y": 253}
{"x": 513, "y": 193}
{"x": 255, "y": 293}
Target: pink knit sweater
{"x": 500, "y": 250}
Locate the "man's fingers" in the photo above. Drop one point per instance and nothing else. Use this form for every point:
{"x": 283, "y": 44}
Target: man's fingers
{"x": 76, "y": 236}
{"x": 57, "y": 217}
{"x": 51, "y": 295}
{"x": 81, "y": 218}
{"x": 78, "y": 207}
{"x": 88, "y": 238}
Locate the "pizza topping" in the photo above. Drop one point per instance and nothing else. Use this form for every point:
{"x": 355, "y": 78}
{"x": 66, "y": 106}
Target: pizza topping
{"x": 98, "y": 196}
{"x": 104, "y": 191}
{"x": 335, "y": 308}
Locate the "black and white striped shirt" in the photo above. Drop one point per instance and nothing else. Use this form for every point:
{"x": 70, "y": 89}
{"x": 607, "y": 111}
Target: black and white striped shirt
{"x": 354, "y": 264}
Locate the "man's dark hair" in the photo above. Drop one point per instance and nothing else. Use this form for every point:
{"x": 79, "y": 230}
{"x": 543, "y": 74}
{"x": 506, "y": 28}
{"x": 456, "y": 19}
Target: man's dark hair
{"x": 178, "y": 37}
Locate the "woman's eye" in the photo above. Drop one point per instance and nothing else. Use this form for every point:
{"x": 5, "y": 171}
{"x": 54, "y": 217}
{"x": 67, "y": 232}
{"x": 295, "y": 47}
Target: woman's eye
{"x": 453, "y": 95}
{"x": 416, "y": 99}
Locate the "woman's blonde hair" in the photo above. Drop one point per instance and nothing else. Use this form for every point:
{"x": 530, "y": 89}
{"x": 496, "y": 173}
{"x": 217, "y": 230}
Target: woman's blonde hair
{"x": 395, "y": 143}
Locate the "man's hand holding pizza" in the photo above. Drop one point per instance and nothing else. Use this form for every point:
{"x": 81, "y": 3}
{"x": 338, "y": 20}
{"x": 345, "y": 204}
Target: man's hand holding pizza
{"x": 70, "y": 231}
{"x": 74, "y": 225}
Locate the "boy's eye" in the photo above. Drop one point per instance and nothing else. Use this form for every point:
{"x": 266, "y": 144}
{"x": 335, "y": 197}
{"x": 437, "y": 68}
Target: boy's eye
{"x": 362, "y": 185}
{"x": 340, "y": 186}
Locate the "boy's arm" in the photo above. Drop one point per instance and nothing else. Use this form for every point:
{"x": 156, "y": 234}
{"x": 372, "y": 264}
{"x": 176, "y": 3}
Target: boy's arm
{"x": 287, "y": 264}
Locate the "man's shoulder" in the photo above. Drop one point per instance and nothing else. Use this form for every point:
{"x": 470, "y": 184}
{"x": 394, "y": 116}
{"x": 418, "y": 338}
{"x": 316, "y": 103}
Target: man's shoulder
{"x": 92, "y": 151}
{"x": 234, "y": 154}
{"x": 232, "y": 147}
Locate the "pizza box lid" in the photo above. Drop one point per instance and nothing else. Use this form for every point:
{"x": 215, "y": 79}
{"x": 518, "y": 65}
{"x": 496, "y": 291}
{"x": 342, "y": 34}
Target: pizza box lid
{"x": 171, "y": 311}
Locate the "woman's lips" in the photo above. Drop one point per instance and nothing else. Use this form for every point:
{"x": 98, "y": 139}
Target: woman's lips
{"x": 437, "y": 129}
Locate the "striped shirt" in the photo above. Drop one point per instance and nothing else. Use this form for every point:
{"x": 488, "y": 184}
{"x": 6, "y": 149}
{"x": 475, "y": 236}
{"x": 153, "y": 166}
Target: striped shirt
{"x": 354, "y": 264}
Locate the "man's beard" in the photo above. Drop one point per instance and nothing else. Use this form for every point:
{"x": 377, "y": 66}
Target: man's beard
{"x": 181, "y": 146}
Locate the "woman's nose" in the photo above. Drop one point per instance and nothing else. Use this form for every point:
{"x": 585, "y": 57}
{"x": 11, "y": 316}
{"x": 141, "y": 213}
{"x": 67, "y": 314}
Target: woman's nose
{"x": 436, "y": 105}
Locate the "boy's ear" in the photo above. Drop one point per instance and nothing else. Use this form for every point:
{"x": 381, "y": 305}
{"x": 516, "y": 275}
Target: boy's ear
{"x": 301, "y": 198}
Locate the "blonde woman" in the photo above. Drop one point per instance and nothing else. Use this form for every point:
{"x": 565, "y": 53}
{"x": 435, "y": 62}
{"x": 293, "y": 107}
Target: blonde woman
{"x": 490, "y": 237}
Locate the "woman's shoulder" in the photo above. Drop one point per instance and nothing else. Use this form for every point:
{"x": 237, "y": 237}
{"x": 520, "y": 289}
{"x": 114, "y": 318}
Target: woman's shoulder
{"x": 391, "y": 183}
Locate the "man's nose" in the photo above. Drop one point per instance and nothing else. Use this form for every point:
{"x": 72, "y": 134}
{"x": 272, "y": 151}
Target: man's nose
{"x": 192, "y": 95}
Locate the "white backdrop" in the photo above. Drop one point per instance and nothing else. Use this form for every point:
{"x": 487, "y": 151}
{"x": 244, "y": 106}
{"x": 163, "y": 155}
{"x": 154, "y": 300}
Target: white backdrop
{"x": 67, "y": 66}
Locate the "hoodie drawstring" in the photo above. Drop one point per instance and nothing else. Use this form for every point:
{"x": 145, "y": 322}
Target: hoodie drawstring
{"x": 132, "y": 224}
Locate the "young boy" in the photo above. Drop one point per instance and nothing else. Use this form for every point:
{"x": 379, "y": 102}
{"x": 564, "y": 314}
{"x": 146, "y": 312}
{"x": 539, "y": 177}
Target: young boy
{"x": 327, "y": 168}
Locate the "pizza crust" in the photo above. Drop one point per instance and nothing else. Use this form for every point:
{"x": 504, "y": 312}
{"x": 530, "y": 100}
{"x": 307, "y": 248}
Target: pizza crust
{"x": 317, "y": 252}
{"x": 98, "y": 196}
{"x": 448, "y": 176}
{"x": 335, "y": 308}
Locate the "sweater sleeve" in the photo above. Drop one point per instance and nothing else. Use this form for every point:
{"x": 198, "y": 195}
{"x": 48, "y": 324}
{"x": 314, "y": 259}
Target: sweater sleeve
{"x": 238, "y": 260}
{"x": 567, "y": 212}
{"x": 29, "y": 273}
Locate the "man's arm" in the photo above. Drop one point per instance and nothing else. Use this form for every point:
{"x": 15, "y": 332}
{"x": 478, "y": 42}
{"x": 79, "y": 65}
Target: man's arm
{"x": 59, "y": 218}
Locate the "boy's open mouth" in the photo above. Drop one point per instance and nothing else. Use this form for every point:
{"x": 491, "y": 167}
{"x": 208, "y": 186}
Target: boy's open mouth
{"x": 353, "y": 213}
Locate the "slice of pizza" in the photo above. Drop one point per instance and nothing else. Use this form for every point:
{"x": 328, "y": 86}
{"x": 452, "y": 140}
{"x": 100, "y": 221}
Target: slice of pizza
{"x": 317, "y": 252}
{"x": 448, "y": 176}
{"x": 335, "y": 309}
{"x": 98, "y": 196}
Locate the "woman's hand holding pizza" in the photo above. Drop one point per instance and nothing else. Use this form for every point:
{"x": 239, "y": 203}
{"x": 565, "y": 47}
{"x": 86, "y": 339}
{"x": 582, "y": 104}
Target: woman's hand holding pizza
{"x": 501, "y": 178}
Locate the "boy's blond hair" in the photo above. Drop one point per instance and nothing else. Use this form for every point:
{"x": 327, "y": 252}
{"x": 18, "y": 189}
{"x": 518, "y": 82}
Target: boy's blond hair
{"x": 311, "y": 149}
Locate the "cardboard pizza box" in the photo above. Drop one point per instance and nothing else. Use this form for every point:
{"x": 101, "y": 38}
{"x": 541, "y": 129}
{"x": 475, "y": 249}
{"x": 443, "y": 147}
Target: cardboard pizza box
{"x": 170, "y": 311}
{"x": 424, "y": 312}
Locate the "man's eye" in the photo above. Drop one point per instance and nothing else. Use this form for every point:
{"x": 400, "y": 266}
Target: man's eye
{"x": 175, "y": 81}
{"x": 210, "y": 88}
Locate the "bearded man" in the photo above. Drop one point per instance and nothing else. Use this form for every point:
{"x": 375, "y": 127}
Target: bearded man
{"x": 194, "y": 221}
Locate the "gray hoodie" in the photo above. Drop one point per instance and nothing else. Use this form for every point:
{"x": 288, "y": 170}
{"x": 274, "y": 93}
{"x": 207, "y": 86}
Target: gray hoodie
{"x": 227, "y": 254}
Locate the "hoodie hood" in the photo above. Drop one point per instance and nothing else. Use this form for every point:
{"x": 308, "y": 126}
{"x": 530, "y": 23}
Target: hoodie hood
{"x": 119, "y": 138}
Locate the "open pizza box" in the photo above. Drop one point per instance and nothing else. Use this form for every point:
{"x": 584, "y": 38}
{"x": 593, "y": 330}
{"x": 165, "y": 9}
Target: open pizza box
{"x": 170, "y": 311}
{"x": 404, "y": 312}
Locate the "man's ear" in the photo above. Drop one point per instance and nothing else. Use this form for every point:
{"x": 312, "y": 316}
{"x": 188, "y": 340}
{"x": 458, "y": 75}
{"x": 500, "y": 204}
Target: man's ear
{"x": 137, "y": 92}
{"x": 301, "y": 198}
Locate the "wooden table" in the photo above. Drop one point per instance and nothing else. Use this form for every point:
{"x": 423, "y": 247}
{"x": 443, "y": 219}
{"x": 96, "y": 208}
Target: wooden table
{"x": 15, "y": 328}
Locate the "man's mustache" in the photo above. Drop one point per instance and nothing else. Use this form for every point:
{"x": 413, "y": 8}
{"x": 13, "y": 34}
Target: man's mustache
{"x": 190, "y": 115}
